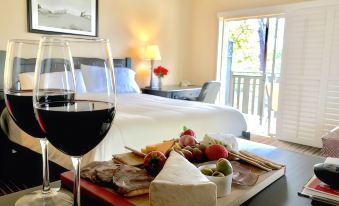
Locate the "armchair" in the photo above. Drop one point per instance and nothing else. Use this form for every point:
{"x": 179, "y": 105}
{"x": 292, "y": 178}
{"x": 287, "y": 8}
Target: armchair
{"x": 208, "y": 93}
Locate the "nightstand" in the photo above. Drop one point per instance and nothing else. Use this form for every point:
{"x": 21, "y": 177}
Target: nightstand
{"x": 174, "y": 92}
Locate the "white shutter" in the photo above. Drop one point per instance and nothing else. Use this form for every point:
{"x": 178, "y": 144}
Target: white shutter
{"x": 331, "y": 110}
{"x": 309, "y": 87}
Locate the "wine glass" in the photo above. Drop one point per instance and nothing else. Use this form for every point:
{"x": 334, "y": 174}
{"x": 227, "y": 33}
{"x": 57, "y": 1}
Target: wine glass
{"x": 74, "y": 121}
{"x": 18, "y": 90}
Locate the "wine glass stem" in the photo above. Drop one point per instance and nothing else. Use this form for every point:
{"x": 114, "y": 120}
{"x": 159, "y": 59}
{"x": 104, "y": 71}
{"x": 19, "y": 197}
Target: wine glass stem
{"x": 45, "y": 169}
{"x": 76, "y": 187}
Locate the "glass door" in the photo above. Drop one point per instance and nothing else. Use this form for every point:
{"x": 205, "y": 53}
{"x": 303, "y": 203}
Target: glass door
{"x": 250, "y": 68}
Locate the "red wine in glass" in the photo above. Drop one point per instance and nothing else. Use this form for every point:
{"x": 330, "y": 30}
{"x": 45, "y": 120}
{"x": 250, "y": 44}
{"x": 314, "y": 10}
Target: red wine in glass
{"x": 20, "y": 106}
{"x": 81, "y": 123}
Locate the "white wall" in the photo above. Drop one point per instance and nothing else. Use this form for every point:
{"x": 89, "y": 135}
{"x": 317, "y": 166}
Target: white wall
{"x": 185, "y": 30}
{"x": 129, "y": 24}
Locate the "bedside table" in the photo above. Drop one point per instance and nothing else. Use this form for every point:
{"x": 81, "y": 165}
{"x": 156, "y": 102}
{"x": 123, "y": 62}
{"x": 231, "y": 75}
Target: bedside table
{"x": 174, "y": 92}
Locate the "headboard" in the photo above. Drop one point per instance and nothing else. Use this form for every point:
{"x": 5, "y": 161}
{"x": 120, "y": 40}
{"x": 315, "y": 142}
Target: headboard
{"x": 27, "y": 65}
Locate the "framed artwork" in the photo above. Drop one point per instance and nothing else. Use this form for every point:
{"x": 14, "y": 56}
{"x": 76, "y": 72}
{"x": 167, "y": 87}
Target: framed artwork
{"x": 76, "y": 17}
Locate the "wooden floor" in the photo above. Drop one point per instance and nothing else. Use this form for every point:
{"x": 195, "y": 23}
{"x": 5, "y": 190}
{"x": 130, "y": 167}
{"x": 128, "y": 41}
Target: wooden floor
{"x": 286, "y": 145}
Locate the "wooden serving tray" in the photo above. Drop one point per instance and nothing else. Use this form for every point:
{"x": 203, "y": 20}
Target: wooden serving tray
{"x": 239, "y": 194}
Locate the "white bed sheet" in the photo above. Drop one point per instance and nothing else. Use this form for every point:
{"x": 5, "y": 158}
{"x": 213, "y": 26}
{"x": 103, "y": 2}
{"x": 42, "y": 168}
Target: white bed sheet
{"x": 143, "y": 119}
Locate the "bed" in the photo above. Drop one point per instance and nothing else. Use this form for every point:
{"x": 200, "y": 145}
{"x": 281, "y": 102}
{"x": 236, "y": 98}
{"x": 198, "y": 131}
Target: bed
{"x": 142, "y": 119}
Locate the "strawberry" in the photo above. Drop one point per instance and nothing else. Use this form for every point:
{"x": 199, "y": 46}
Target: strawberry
{"x": 154, "y": 161}
{"x": 215, "y": 152}
{"x": 187, "y": 131}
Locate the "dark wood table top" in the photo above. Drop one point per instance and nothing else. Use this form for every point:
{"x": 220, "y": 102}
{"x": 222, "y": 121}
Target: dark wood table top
{"x": 299, "y": 169}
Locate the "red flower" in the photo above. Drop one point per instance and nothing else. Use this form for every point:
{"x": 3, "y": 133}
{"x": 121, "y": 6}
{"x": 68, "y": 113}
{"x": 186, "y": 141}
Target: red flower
{"x": 160, "y": 71}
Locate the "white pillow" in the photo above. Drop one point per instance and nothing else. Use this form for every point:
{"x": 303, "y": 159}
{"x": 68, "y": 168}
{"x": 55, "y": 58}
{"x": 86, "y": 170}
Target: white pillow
{"x": 26, "y": 80}
{"x": 94, "y": 78}
{"x": 125, "y": 81}
{"x": 79, "y": 80}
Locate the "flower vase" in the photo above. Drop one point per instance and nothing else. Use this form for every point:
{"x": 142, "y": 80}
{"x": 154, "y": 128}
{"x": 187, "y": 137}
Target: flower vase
{"x": 160, "y": 83}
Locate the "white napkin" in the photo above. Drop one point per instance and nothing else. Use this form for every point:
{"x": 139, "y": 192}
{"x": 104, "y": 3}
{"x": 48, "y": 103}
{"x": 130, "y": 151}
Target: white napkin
{"x": 227, "y": 139}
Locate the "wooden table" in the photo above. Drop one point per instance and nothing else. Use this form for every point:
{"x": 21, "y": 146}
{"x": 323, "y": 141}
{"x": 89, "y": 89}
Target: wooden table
{"x": 299, "y": 168}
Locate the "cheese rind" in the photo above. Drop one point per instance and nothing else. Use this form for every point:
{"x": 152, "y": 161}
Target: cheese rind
{"x": 181, "y": 183}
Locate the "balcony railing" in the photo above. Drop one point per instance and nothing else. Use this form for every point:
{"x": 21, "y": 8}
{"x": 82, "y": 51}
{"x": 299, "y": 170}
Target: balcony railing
{"x": 247, "y": 92}
{"x": 251, "y": 94}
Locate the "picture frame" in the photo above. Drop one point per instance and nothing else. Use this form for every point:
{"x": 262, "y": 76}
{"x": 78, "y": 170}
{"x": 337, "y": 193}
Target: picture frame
{"x": 74, "y": 17}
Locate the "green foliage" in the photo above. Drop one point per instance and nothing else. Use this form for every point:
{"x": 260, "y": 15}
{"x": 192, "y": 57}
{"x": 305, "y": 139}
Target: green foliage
{"x": 242, "y": 46}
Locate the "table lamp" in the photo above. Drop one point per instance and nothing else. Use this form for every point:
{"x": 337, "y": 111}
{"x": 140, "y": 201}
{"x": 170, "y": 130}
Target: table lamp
{"x": 152, "y": 53}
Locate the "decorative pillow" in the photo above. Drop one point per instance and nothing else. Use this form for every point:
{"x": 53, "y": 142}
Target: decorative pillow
{"x": 26, "y": 80}
{"x": 125, "y": 81}
{"x": 94, "y": 78}
{"x": 331, "y": 143}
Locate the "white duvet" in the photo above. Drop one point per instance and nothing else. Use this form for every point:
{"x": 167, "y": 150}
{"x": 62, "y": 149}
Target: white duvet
{"x": 144, "y": 119}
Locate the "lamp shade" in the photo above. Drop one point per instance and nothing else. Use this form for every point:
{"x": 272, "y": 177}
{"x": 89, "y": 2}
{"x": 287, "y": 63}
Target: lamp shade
{"x": 152, "y": 52}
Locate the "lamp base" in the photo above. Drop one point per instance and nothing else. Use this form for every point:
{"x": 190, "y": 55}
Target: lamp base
{"x": 154, "y": 84}
{"x": 153, "y": 80}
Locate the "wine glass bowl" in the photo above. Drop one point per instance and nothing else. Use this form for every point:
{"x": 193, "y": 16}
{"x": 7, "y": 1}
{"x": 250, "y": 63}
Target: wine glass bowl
{"x": 18, "y": 91}
{"x": 79, "y": 118}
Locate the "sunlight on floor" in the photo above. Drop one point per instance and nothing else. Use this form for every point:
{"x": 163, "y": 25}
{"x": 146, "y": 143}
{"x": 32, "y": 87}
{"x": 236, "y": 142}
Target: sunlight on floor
{"x": 254, "y": 126}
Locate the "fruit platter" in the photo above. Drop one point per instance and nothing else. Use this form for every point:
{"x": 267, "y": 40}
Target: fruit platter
{"x": 179, "y": 171}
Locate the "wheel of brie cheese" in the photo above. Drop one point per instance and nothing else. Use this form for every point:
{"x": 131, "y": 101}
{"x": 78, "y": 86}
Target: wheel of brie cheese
{"x": 181, "y": 183}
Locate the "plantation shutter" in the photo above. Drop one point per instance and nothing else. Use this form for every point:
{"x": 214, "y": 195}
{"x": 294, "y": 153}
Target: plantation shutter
{"x": 309, "y": 86}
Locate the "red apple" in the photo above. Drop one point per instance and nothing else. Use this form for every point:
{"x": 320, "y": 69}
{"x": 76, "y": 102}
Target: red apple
{"x": 187, "y": 131}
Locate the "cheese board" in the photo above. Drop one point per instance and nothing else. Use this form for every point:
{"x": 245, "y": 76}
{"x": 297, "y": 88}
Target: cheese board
{"x": 179, "y": 172}
{"x": 239, "y": 194}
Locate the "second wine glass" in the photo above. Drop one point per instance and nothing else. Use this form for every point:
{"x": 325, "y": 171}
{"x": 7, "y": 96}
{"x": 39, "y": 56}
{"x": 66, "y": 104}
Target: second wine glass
{"x": 74, "y": 120}
{"x": 18, "y": 89}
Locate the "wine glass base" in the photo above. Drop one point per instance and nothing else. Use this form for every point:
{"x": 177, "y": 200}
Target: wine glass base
{"x": 37, "y": 198}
